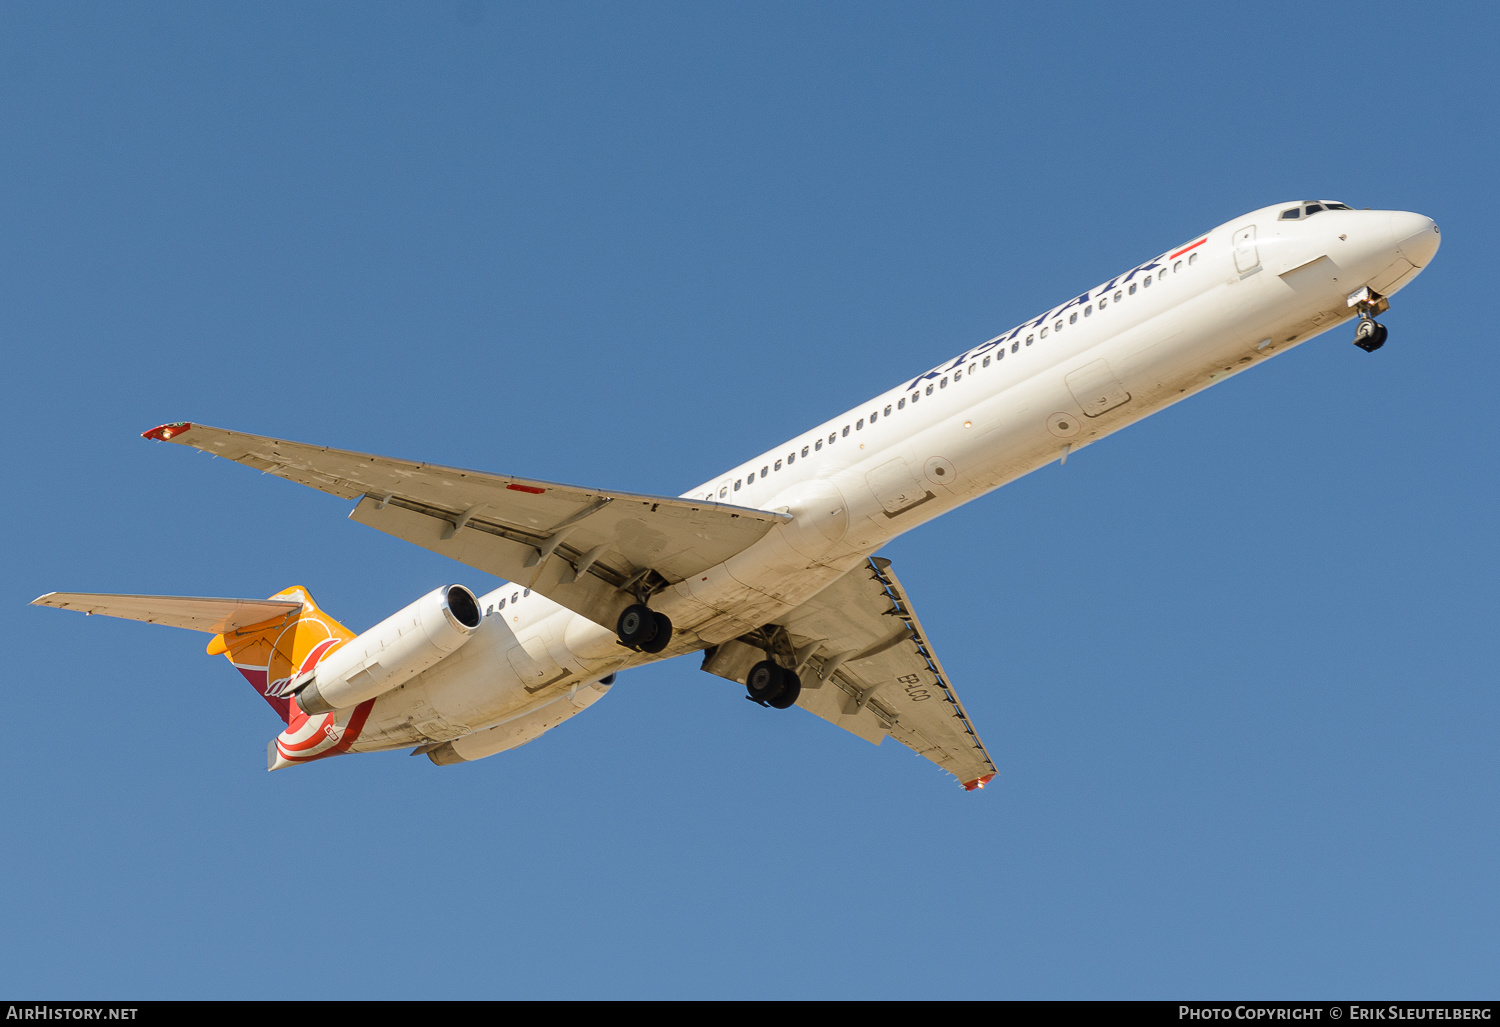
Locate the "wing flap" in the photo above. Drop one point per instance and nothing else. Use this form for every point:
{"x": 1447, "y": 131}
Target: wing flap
{"x": 196, "y": 613}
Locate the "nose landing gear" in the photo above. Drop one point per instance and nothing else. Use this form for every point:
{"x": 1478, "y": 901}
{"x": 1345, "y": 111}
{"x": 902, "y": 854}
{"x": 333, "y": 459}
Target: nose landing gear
{"x": 1370, "y": 334}
{"x": 770, "y": 684}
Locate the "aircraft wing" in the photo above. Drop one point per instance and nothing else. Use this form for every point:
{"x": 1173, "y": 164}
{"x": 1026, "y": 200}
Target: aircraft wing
{"x": 584, "y": 549}
{"x": 196, "y": 613}
{"x": 874, "y": 672}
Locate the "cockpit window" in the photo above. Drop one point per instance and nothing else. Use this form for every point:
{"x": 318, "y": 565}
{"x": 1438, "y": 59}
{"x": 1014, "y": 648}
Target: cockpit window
{"x": 1310, "y": 208}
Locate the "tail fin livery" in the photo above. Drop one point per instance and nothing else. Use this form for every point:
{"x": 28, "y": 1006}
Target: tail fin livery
{"x": 276, "y": 654}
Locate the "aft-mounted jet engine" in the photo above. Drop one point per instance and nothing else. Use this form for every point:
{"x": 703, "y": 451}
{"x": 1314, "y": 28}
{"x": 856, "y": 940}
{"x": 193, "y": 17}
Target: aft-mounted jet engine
{"x": 392, "y": 652}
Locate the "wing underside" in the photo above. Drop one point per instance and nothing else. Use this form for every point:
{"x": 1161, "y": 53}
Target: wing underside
{"x": 869, "y": 668}
{"x": 589, "y": 550}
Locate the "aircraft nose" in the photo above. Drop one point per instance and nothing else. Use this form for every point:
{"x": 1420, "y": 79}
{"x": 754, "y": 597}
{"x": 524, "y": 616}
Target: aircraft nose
{"x": 1416, "y": 236}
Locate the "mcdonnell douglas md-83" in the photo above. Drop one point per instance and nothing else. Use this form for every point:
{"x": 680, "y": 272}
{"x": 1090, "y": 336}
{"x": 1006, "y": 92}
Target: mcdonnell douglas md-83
{"x": 768, "y": 569}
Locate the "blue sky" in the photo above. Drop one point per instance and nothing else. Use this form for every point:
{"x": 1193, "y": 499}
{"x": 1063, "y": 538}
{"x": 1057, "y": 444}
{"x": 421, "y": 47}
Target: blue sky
{"x": 1236, "y": 663}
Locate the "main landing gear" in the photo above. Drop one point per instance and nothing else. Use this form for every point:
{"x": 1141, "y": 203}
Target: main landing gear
{"x": 771, "y": 684}
{"x": 1370, "y": 334}
{"x": 642, "y": 628}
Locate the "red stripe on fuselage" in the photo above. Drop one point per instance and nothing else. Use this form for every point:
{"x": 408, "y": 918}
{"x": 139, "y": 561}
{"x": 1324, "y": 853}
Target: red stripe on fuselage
{"x": 1195, "y": 245}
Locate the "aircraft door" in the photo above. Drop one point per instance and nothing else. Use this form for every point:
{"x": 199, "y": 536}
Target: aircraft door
{"x": 896, "y": 487}
{"x": 534, "y": 665}
{"x": 1096, "y": 388}
{"x": 1245, "y": 256}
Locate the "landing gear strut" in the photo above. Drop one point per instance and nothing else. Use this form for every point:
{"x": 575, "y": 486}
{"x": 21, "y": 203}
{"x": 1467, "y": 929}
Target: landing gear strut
{"x": 644, "y": 629}
{"x": 1370, "y": 334}
{"x": 770, "y": 684}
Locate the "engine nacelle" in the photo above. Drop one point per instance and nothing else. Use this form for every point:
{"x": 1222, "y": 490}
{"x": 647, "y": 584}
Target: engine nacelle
{"x": 393, "y": 651}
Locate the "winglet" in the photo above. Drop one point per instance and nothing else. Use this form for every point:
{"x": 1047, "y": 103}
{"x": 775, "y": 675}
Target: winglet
{"x": 978, "y": 782}
{"x": 165, "y": 432}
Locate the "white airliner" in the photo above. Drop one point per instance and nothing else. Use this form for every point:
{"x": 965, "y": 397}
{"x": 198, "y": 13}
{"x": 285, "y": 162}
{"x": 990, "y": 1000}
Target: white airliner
{"x": 769, "y": 569}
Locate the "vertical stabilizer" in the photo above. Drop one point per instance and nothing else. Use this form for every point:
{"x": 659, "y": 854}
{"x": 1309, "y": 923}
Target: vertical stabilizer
{"x": 274, "y": 652}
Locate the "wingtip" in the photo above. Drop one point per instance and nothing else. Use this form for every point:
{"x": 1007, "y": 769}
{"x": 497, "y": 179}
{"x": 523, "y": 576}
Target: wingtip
{"x": 978, "y": 782}
{"x": 166, "y": 432}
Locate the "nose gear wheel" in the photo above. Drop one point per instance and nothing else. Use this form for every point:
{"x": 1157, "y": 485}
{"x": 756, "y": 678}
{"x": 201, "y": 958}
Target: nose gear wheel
{"x": 1370, "y": 335}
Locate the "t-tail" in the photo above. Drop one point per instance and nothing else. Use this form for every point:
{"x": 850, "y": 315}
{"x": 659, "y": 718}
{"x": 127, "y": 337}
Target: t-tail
{"x": 275, "y": 643}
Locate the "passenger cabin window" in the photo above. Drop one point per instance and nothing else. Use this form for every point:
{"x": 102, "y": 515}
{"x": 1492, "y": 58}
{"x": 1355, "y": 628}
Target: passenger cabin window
{"x": 804, "y": 451}
{"x": 778, "y": 463}
{"x": 986, "y": 361}
{"x": 859, "y": 425}
{"x": 1132, "y": 290}
{"x": 1072, "y": 318}
{"x": 887, "y": 412}
{"x": 724, "y": 492}
{"x": 958, "y": 376}
{"x": 764, "y": 471}
{"x": 1001, "y": 355}
{"x": 1089, "y": 310}
{"x": 736, "y": 484}
{"x": 750, "y": 477}
{"x": 975, "y": 367}
{"x": 929, "y": 390}
{"x": 1193, "y": 259}
{"x": 846, "y": 431}
{"x": 1120, "y": 295}
{"x": 502, "y": 603}
{"x": 1147, "y": 282}
{"x": 1028, "y": 338}
{"x": 819, "y": 445}
{"x": 832, "y": 436}
{"x": 1177, "y": 267}
{"x": 943, "y": 382}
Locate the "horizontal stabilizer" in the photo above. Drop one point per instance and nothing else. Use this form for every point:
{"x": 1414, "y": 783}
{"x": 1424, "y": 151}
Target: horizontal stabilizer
{"x": 196, "y": 613}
